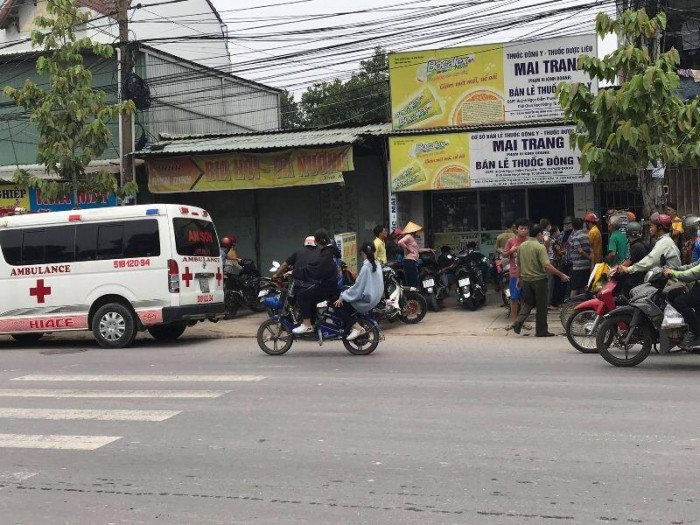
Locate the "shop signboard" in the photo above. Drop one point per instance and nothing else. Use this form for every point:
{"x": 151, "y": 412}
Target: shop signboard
{"x": 499, "y": 158}
{"x": 247, "y": 171}
{"x": 86, "y": 200}
{"x": 347, "y": 243}
{"x": 481, "y": 84}
{"x": 13, "y": 197}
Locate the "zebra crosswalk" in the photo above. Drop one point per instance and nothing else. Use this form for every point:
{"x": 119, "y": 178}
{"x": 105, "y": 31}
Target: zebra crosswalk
{"x": 75, "y": 396}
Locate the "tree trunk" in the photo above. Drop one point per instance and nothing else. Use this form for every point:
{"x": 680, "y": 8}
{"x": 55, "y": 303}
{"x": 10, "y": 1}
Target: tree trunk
{"x": 652, "y": 192}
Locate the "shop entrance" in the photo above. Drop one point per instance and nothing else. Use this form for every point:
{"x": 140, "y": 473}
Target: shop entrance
{"x": 554, "y": 203}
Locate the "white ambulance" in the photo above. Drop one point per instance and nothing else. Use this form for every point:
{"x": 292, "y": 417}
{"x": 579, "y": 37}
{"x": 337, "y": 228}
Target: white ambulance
{"x": 114, "y": 271}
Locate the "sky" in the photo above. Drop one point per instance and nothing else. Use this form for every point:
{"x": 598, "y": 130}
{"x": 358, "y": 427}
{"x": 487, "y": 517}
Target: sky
{"x": 262, "y": 38}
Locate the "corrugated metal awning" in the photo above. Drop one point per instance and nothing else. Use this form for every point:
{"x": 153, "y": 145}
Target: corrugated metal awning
{"x": 173, "y": 144}
{"x": 182, "y": 144}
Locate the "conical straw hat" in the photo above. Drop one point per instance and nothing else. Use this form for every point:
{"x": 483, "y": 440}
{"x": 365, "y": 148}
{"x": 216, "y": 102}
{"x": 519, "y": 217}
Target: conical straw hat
{"x": 412, "y": 227}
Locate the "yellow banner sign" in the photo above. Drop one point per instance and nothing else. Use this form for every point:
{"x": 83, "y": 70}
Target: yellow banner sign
{"x": 245, "y": 171}
{"x": 13, "y": 197}
{"x": 482, "y": 84}
{"x": 485, "y": 159}
{"x": 432, "y": 162}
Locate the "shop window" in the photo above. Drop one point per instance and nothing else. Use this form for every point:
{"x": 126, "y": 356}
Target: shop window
{"x": 499, "y": 209}
{"x": 455, "y": 212}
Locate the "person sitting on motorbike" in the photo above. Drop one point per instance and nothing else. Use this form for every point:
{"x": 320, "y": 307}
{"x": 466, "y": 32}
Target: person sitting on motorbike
{"x": 685, "y": 301}
{"x": 315, "y": 275}
{"x": 447, "y": 265}
{"x": 664, "y": 253}
{"x": 364, "y": 295}
{"x": 638, "y": 249}
{"x": 231, "y": 258}
{"x": 225, "y": 245}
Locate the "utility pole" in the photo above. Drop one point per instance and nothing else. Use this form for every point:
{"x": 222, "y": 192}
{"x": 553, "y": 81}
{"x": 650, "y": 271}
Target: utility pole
{"x": 125, "y": 123}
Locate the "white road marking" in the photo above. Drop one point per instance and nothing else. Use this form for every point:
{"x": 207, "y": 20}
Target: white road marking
{"x": 61, "y": 414}
{"x": 15, "y": 477}
{"x": 150, "y": 378}
{"x": 63, "y": 393}
{"x": 55, "y": 442}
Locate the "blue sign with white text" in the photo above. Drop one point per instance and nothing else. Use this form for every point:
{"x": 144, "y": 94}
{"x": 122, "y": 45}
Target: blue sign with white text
{"x": 86, "y": 200}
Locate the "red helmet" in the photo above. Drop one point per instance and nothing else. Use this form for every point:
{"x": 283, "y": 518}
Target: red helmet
{"x": 590, "y": 217}
{"x": 664, "y": 221}
{"x": 226, "y": 242}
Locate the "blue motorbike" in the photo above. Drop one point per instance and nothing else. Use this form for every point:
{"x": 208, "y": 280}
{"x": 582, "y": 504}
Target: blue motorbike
{"x": 275, "y": 335}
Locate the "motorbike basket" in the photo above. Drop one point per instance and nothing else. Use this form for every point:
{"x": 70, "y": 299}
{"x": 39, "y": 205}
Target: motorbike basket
{"x": 273, "y": 302}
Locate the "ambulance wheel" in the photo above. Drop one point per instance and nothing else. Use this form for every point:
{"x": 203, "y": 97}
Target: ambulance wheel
{"x": 114, "y": 326}
{"x": 167, "y": 332}
{"x": 27, "y": 339}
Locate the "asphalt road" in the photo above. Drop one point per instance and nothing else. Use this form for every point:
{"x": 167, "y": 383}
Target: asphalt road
{"x": 425, "y": 430}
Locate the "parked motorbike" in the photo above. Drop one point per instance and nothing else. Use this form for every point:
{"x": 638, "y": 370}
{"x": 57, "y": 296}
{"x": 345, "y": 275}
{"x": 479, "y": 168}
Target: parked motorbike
{"x": 471, "y": 289}
{"x": 275, "y": 336}
{"x": 399, "y": 302}
{"x": 626, "y": 335}
{"x": 582, "y": 326}
{"x": 429, "y": 282}
{"x": 242, "y": 288}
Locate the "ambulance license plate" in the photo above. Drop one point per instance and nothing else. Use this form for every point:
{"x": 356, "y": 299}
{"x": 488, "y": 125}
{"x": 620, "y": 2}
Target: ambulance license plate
{"x": 204, "y": 285}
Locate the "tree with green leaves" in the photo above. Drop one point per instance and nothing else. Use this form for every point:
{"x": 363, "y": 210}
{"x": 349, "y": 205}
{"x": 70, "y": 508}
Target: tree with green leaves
{"x": 622, "y": 131}
{"x": 364, "y": 97}
{"x": 71, "y": 117}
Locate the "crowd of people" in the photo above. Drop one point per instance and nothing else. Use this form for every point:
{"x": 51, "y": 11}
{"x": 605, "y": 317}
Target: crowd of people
{"x": 541, "y": 253}
{"x": 547, "y": 264}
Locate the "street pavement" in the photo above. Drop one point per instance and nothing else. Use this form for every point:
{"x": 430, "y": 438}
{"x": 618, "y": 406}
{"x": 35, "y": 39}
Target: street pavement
{"x": 437, "y": 429}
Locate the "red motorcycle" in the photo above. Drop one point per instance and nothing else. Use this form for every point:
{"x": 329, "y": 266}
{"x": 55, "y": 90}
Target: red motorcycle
{"x": 582, "y": 326}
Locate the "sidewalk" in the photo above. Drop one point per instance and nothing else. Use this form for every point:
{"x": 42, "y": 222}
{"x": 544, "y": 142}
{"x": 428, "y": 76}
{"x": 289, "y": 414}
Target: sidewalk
{"x": 451, "y": 320}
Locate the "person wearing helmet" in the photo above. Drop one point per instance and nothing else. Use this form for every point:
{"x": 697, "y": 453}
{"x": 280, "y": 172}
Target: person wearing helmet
{"x": 225, "y": 244}
{"x": 664, "y": 253}
{"x": 595, "y": 237}
{"x": 687, "y": 300}
{"x": 617, "y": 244}
{"x": 638, "y": 249}
{"x": 299, "y": 258}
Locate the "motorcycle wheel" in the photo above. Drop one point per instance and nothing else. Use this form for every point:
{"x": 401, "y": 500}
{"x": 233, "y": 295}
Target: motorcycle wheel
{"x": 278, "y": 334}
{"x": 578, "y": 331}
{"x": 567, "y": 310}
{"x": 414, "y": 308}
{"x": 366, "y": 343}
{"x": 433, "y": 302}
{"x": 609, "y": 341}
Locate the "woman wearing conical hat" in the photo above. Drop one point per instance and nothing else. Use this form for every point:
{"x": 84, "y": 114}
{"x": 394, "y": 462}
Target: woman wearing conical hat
{"x": 411, "y": 253}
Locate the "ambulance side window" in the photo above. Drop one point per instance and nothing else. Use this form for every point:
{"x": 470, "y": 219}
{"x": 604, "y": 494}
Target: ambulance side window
{"x": 11, "y": 244}
{"x": 60, "y": 244}
{"x": 141, "y": 239}
{"x": 86, "y": 242}
{"x": 110, "y": 241}
{"x": 33, "y": 247}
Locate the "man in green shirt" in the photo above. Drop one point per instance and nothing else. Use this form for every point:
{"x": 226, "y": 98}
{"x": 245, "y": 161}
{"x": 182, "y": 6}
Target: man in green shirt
{"x": 617, "y": 244}
{"x": 502, "y": 239}
{"x": 533, "y": 267}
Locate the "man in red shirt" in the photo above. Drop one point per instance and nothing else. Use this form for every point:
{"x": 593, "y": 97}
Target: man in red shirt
{"x": 511, "y": 250}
